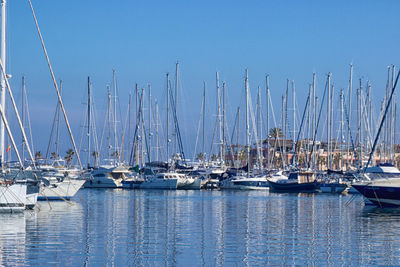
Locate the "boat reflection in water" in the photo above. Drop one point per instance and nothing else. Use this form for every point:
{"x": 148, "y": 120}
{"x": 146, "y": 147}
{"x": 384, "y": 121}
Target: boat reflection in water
{"x": 234, "y": 227}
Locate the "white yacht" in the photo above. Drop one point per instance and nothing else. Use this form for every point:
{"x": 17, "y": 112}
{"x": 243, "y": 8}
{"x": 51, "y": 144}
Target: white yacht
{"x": 163, "y": 180}
{"x": 106, "y": 176}
{"x": 380, "y": 185}
{"x": 243, "y": 182}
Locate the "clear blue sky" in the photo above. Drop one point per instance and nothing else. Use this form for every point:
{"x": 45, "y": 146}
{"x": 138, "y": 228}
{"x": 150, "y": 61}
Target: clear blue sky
{"x": 142, "y": 40}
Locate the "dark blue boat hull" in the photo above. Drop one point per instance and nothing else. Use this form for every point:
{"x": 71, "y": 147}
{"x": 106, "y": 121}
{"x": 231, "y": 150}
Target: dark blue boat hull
{"x": 381, "y": 196}
{"x": 293, "y": 187}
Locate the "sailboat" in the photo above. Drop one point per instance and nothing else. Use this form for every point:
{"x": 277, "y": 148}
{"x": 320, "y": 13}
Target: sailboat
{"x": 15, "y": 194}
{"x": 245, "y": 181}
{"x": 111, "y": 174}
{"x": 381, "y": 184}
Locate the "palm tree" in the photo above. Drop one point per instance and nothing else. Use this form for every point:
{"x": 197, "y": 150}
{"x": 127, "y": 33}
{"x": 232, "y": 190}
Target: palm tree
{"x": 53, "y": 155}
{"x": 38, "y": 155}
{"x": 68, "y": 156}
{"x": 115, "y": 154}
{"x": 275, "y": 133}
{"x": 200, "y": 157}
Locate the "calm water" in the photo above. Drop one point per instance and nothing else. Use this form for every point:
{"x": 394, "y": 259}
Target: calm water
{"x": 201, "y": 228}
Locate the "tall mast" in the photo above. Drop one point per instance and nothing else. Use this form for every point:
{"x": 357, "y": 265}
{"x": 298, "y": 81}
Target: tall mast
{"x": 204, "y": 116}
{"x": 392, "y": 120}
{"x": 58, "y": 121}
{"x": 157, "y": 136}
{"x": 137, "y": 125}
{"x": 88, "y": 128}
{"x": 2, "y": 80}
{"x": 259, "y": 127}
{"x": 167, "y": 116}
{"x": 115, "y": 117}
{"x": 219, "y": 116}
{"x": 129, "y": 119}
{"x": 349, "y": 116}
{"x": 238, "y": 130}
{"x": 267, "y": 87}
{"x": 328, "y": 113}
{"x": 341, "y": 128}
{"x": 309, "y": 121}
{"x": 360, "y": 116}
{"x": 294, "y": 124}
{"x": 283, "y": 127}
{"x": 143, "y": 138}
{"x": 23, "y": 116}
{"x": 150, "y": 134}
{"x": 176, "y": 104}
{"x": 109, "y": 121}
{"x": 223, "y": 120}
{"x": 314, "y": 124}
{"x": 247, "y": 123}
{"x": 286, "y": 113}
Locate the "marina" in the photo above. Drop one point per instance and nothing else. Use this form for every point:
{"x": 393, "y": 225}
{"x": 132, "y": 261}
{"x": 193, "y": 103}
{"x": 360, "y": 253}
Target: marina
{"x": 134, "y": 150}
{"x": 201, "y": 228}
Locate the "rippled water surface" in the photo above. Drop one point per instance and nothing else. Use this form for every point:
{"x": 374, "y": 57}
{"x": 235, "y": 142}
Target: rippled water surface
{"x": 201, "y": 228}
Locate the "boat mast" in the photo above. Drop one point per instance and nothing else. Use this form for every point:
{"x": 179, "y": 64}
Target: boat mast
{"x": 129, "y": 120}
{"x": 314, "y": 124}
{"x": 328, "y": 134}
{"x": 57, "y": 142}
{"x": 143, "y": 137}
{"x": 223, "y": 121}
{"x": 349, "y": 117}
{"x": 115, "y": 118}
{"x": 341, "y": 128}
{"x": 2, "y": 79}
{"x": 267, "y": 87}
{"x": 167, "y": 117}
{"x": 219, "y": 118}
{"x": 286, "y": 115}
{"x": 150, "y": 134}
{"x": 109, "y": 121}
{"x": 23, "y": 116}
{"x": 283, "y": 141}
{"x": 294, "y": 124}
{"x": 88, "y": 129}
{"x": 309, "y": 122}
{"x": 360, "y": 124}
{"x": 247, "y": 123}
{"x": 157, "y": 136}
{"x": 392, "y": 120}
{"x": 204, "y": 118}
{"x": 137, "y": 126}
{"x": 176, "y": 105}
{"x": 238, "y": 134}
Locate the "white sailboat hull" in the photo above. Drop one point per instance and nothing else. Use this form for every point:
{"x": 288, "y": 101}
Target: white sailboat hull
{"x": 12, "y": 197}
{"x": 63, "y": 190}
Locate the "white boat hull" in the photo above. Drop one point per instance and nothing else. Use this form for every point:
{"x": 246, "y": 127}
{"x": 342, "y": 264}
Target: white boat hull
{"x": 159, "y": 184}
{"x": 63, "y": 190}
{"x": 245, "y": 184}
{"x": 103, "y": 182}
{"x": 189, "y": 183}
{"x": 12, "y": 197}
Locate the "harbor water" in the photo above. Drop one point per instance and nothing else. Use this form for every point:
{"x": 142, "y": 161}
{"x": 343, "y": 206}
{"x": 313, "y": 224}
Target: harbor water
{"x": 201, "y": 228}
